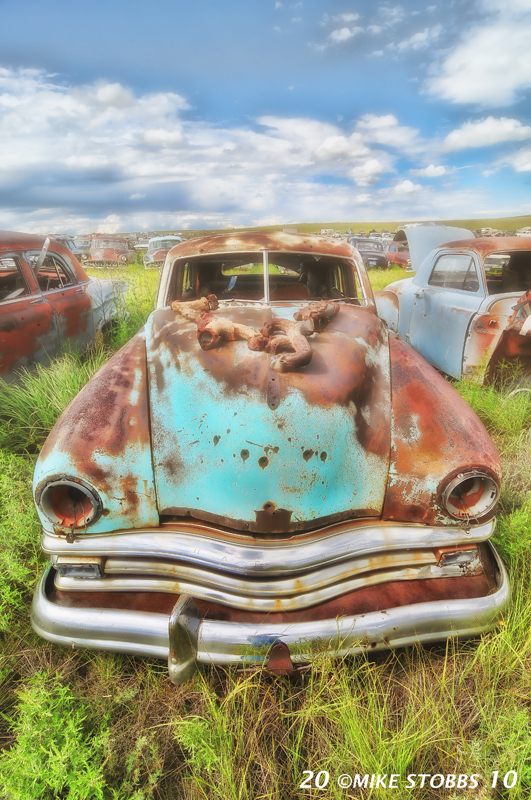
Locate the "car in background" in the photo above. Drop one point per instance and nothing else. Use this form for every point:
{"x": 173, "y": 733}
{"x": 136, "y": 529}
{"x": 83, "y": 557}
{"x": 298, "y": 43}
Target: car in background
{"x": 265, "y": 474}
{"x": 158, "y": 249}
{"x": 110, "y": 251}
{"x": 371, "y": 251}
{"x": 69, "y": 242}
{"x": 48, "y": 302}
{"x": 142, "y": 246}
{"x": 468, "y": 309}
{"x": 83, "y": 244}
{"x": 398, "y": 254}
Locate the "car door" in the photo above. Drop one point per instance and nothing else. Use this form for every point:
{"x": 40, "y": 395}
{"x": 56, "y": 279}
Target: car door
{"x": 442, "y": 310}
{"x": 28, "y": 333}
{"x": 69, "y": 299}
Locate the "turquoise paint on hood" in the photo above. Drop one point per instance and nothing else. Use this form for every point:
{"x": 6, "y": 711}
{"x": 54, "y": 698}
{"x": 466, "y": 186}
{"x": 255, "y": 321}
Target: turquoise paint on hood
{"x": 221, "y": 451}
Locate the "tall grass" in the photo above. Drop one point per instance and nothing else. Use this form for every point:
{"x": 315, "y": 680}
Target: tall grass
{"x": 140, "y": 299}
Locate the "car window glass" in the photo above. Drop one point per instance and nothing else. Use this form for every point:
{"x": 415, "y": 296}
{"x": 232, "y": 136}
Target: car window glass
{"x": 53, "y": 274}
{"x": 455, "y": 271}
{"x": 508, "y": 272}
{"x": 291, "y": 277}
{"x": 12, "y": 280}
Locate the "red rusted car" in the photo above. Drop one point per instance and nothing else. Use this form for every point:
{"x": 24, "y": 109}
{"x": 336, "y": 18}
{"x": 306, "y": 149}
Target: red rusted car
{"x": 265, "y": 473}
{"x": 108, "y": 251}
{"x": 397, "y": 254}
{"x": 47, "y": 302}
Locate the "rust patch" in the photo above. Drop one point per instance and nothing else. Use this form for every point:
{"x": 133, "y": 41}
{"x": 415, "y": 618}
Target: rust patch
{"x": 361, "y": 601}
{"x": 435, "y": 433}
{"x": 105, "y": 417}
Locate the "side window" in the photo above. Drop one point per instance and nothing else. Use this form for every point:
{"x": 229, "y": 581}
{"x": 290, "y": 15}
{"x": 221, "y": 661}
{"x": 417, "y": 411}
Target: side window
{"x": 12, "y": 281}
{"x": 455, "y": 271}
{"x": 53, "y": 274}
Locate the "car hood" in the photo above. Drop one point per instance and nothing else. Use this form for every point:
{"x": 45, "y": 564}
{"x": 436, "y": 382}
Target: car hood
{"x": 236, "y": 442}
{"x": 422, "y": 239}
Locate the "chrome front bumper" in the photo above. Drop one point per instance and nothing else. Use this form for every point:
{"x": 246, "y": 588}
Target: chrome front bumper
{"x": 185, "y": 639}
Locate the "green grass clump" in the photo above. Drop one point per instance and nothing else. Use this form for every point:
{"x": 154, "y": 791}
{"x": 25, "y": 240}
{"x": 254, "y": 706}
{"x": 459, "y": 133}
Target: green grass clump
{"x": 139, "y": 300}
{"x": 53, "y": 754}
{"x": 380, "y": 278}
{"x": 30, "y": 407}
{"x": 21, "y": 558}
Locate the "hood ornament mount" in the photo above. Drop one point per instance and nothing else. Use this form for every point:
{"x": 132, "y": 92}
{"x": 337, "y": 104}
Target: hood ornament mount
{"x": 287, "y": 341}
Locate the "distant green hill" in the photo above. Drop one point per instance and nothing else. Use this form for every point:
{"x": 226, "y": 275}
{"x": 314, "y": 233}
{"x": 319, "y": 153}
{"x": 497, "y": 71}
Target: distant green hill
{"x": 502, "y": 223}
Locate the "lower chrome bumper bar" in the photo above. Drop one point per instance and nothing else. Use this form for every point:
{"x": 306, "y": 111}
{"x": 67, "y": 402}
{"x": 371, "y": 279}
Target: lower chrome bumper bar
{"x": 185, "y": 639}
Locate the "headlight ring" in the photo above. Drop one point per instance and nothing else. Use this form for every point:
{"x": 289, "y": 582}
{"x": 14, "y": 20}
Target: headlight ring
{"x": 470, "y": 495}
{"x": 69, "y": 502}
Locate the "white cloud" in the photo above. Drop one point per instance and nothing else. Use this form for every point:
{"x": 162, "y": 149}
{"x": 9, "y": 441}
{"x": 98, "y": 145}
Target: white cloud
{"x": 391, "y": 16}
{"x": 341, "y": 147}
{"x": 491, "y": 66}
{"x": 368, "y": 173}
{"x": 345, "y": 17}
{"x": 407, "y": 187}
{"x": 520, "y": 161}
{"x": 386, "y": 130}
{"x": 343, "y": 34}
{"x": 99, "y": 157}
{"x": 374, "y": 28}
{"x": 421, "y": 39}
{"x": 296, "y": 19}
{"x": 377, "y": 53}
{"x": 430, "y": 172}
{"x": 487, "y": 132}
{"x": 278, "y": 4}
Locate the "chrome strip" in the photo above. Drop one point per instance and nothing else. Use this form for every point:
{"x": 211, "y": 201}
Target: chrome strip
{"x": 265, "y": 595}
{"x": 246, "y": 555}
{"x": 147, "y": 634}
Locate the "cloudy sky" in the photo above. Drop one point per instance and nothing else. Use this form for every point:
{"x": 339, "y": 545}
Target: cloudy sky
{"x": 133, "y": 116}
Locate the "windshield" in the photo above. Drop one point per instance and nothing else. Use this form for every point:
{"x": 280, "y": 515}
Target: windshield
{"x": 292, "y": 277}
{"x": 369, "y": 245}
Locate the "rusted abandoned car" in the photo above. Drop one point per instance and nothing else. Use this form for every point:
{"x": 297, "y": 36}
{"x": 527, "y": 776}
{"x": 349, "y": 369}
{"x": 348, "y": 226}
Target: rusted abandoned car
{"x": 397, "y": 254}
{"x": 265, "y": 473}
{"x": 371, "y": 251}
{"x": 467, "y": 310}
{"x": 108, "y": 251}
{"x": 158, "y": 249}
{"x": 47, "y": 302}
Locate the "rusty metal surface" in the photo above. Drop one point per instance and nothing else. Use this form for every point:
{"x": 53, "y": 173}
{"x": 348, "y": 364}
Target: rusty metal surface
{"x": 103, "y": 437}
{"x": 435, "y": 434}
{"x": 249, "y": 437}
{"x": 253, "y": 241}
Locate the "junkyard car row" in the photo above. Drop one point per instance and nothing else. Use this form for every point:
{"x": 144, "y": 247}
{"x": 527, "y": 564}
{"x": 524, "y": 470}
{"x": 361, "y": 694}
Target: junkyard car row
{"x": 266, "y": 472}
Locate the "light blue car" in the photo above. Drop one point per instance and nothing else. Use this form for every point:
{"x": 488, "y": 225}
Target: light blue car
{"x": 467, "y": 309}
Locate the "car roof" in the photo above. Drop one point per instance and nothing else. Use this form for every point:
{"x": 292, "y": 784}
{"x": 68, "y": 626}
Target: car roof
{"x": 252, "y": 242}
{"x": 12, "y": 240}
{"x": 491, "y": 244}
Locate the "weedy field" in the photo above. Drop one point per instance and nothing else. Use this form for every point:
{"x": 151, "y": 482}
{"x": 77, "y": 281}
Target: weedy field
{"x": 81, "y": 725}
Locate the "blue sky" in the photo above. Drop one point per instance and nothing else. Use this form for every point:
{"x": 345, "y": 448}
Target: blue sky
{"x": 129, "y": 116}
